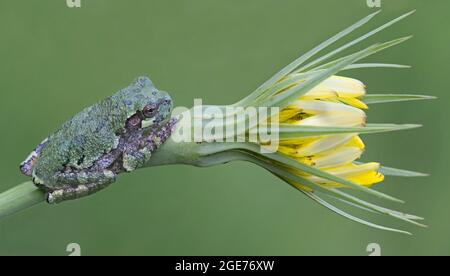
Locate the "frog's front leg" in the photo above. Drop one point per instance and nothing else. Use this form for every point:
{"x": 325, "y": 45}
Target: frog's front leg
{"x": 140, "y": 148}
{"x": 26, "y": 167}
{"x": 79, "y": 184}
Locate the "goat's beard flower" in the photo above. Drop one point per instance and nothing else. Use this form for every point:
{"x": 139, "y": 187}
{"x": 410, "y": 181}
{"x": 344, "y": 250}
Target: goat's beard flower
{"x": 336, "y": 102}
{"x": 320, "y": 117}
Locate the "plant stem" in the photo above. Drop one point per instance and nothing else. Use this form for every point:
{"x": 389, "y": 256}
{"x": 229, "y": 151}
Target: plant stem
{"x": 19, "y": 198}
{"x": 27, "y": 195}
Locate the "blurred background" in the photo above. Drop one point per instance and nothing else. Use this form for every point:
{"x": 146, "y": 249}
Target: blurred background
{"x": 56, "y": 60}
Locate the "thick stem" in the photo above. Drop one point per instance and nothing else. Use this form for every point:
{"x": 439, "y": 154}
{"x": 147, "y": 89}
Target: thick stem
{"x": 26, "y": 195}
{"x": 19, "y": 198}
{"x": 172, "y": 152}
{"x": 203, "y": 154}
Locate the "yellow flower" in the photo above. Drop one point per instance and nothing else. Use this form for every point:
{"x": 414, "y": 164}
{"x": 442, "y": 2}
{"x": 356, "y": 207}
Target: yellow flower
{"x": 335, "y": 102}
{"x": 316, "y": 129}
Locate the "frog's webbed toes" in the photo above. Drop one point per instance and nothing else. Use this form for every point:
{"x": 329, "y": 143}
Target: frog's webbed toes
{"x": 135, "y": 160}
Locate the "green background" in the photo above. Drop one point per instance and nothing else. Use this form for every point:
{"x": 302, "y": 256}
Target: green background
{"x": 56, "y": 60}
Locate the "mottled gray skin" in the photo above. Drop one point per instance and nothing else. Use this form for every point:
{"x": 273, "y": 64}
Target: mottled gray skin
{"x": 87, "y": 152}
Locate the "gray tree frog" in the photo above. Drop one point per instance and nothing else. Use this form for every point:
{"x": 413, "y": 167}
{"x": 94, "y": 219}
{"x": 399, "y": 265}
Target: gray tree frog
{"x": 117, "y": 134}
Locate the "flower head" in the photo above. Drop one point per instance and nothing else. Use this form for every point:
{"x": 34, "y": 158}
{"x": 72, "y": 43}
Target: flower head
{"x": 320, "y": 122}
{"x": 320, "y": 117}
{"x": 336, "y": 102}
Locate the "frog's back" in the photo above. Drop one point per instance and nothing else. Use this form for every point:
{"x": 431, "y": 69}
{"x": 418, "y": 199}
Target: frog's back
{"x": 80, "y": 141}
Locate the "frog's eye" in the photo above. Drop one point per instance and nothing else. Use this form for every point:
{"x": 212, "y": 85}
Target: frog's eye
{"x": 149, "y": 111}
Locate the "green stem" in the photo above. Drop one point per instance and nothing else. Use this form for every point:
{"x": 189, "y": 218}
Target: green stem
{"x": 27, "y": 195}
{"x": 20, "y": 197}
{"x": 203, "y": 154}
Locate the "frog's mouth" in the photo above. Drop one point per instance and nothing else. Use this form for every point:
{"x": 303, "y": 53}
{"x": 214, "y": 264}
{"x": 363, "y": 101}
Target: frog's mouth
{"x": 154, "y": 122}
{"x": 148, "y": 123}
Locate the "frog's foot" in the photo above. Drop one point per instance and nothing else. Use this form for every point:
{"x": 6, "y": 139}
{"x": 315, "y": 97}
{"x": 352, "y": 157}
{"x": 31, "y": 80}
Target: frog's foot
{"x": 26, "y": 167}
{"x": 75, "y": 192}
{"x": 134, "y": 160}
{"x": 159, "y": 136}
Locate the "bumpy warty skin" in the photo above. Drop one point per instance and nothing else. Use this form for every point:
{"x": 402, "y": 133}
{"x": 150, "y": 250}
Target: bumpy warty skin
{"x": 94, "y": 131}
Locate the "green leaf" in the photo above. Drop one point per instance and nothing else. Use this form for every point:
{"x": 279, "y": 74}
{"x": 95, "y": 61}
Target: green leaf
{"x": 376, "y": 65}
{"x": 322, "y": 174}
{"x": 289, "y": 132}
{"x": 283, "y": 99}
{"x": 398, "y": 172}
{"x": 388, "y": 98}
{"x": 399, "y": 215}
{"x": 344, "y": 196}
{"x": 289, "y": 81}
{"x": 292, "y": 163}
{"x": 356, "y": 41}
{"x": 293, "y": 65}
{"x": 381, "y": 47}
{"x": 351, "y": 217}
{"x": 285, "y": 175}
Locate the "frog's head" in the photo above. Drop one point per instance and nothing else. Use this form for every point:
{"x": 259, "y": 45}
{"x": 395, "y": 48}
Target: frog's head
{"x": 147, "y": 104}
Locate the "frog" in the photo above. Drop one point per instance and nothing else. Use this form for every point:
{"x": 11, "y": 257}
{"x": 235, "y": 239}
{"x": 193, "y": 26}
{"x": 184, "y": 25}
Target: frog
{"x": 118, "y": 134}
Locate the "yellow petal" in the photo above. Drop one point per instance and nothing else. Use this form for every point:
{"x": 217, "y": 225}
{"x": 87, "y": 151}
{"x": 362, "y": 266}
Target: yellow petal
{"x": 350, "y": 170}
{"x": 338, "y": 120}
{"x": 356, "y": 142}
{"x": 354, "y": 102}
{"x": 297, "y": 142}
{"x": 344, "y": 87}
{"x": 319, "y": 95}
{"x": 368, "y": 179}
{"x": 291, "y": 112}
{"x": 319, "y": 107}
{"x": 364, "y": 174}
{"x": 322, "y": 144}
{"x": 336, "y": 157}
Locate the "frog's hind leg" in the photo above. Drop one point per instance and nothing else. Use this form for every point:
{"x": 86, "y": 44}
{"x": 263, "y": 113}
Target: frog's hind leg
{"x": 84, "y": 177}
{"x": 80, "y": 184}
{"x": 26, "y": 167}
